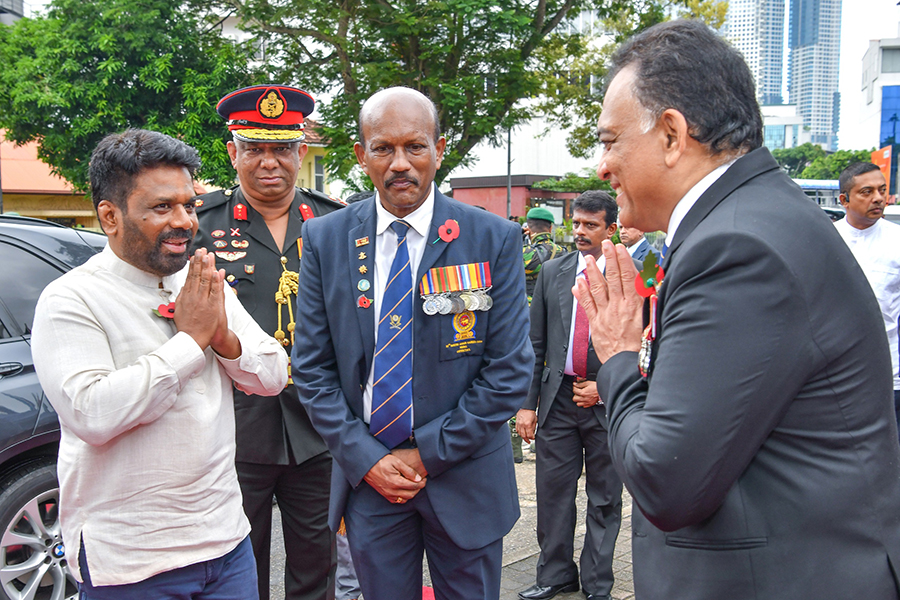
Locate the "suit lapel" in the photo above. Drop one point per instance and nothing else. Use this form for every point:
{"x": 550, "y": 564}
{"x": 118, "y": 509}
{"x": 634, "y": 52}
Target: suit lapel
{"x": 565, "y": 279}
{"x": 747, "y": 167}
{"x": 364, "y": 229}
{"x": 434, "y": 249}
{"x": 255, "y": 228}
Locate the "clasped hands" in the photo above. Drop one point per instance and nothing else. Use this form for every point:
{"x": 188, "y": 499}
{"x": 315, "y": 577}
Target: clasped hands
{"x": 611, "y": 303}
{"x": 398, "y": 476}
{"x": 200, "y": 307}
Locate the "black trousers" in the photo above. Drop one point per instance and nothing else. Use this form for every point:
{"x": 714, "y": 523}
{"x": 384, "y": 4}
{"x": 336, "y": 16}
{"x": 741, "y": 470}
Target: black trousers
{"x": 572, "y": 440}
{"x": 302, "y": 492}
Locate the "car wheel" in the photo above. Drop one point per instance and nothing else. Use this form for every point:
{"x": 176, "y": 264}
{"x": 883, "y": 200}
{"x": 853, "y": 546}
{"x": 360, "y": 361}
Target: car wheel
{"x": 32, "y": 556}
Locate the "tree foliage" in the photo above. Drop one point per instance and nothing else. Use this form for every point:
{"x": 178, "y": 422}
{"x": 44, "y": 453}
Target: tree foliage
{"x": 476, "y": 59}
{"x": 795, "y": 160}
{"x": 830, "y": 166}
{"x": 87, "y": 69}
{"x": 571, "y": 182}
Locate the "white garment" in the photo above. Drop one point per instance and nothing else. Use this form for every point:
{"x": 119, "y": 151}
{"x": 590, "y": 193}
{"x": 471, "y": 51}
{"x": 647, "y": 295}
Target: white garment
{"x": 877, "y": 250}
{"x": 579, "y": 274}
{"x": 690, "y": 199}
{"x": 146, "y": 459}
{"x": 419, "y": 222}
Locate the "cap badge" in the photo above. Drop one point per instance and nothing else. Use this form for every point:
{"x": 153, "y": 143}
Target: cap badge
{"x": 271, "y": 105}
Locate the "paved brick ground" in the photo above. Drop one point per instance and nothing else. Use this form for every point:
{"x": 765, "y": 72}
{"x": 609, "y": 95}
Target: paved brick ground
{"x": 520, "y": 547}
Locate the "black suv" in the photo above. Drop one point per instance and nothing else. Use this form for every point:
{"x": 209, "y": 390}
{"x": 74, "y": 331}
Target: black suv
{"x": 32, "y": 556}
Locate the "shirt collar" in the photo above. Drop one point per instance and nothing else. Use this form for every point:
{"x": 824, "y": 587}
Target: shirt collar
{"x": 690, "y": 199}
{"x": 582, "y": 264}
{"x": 419, "y": 219}
{"x": 115, "y": 265}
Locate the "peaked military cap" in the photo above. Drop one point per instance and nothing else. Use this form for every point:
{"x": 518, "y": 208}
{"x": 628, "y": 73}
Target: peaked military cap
{"x": 266, "y": 113}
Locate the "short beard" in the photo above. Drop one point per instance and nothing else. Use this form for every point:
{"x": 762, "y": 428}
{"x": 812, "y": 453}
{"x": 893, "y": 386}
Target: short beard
{"x": 156, "y": 261}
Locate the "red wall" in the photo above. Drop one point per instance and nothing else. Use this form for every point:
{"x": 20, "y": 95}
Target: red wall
{"x": 494, "y": 199}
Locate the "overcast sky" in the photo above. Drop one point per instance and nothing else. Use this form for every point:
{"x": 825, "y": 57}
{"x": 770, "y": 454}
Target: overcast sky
{"x": 861, "y": 21}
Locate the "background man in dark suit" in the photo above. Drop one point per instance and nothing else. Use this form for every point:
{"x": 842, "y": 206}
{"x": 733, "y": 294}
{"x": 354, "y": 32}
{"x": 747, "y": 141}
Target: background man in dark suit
{"x": 254, "y": 231}
{"x": 638, "y": 246}
{"x": 572, "y": 431}
{"x": 436, "y": 476}
{"x": 761, "y": 447}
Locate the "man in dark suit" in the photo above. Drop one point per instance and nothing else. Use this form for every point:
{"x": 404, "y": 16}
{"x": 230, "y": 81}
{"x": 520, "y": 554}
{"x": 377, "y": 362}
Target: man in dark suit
{"x": 254, "y": 231}
{"x": 759, "y": 444}
{"x": 427, "y": 294}
{"x": 571, "y": 420}
{"x": 638, "y": 246}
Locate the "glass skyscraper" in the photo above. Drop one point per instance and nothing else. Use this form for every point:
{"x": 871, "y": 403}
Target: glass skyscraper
{"x": 756, "y": 28}
{"x": 814, "y": 41}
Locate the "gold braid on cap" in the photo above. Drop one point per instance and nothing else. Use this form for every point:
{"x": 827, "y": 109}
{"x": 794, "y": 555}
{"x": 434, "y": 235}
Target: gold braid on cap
{"x": 287, "y": 285}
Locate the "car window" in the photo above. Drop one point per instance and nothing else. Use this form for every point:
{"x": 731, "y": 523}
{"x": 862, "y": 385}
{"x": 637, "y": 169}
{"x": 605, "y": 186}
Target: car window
{"x": 22, "y": 279}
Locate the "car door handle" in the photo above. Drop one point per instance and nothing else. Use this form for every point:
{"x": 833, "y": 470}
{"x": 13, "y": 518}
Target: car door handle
{"x": 11, "y": 368}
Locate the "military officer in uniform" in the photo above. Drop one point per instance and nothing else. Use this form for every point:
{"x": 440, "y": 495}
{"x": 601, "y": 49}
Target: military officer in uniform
{"x": 254, "y": 231}
{"x": 541, "y": 246}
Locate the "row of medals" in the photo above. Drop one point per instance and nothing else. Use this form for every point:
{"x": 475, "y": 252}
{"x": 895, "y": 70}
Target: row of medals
{"x": 456, "y": 302}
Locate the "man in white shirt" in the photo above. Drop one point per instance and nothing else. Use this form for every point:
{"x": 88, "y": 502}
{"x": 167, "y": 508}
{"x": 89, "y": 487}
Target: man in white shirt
{"x": 137, "y": 353}
{"x": 572, "y": 436}
{"x": 875, "y": 242}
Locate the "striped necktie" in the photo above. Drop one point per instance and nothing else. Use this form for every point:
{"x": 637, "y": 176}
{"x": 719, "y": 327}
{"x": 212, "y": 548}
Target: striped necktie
{"x": 391, "y": 418}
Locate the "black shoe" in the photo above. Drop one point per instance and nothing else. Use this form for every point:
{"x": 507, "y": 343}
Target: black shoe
{"x": 597, "y": 597}
{"x": 539, "y": 592}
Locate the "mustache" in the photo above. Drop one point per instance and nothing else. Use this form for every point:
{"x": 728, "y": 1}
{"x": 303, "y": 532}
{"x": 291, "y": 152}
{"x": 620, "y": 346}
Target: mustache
{"x": 401, "y": 178}
{"x": 583, "y": 239}
{"x": 175, "y": 234}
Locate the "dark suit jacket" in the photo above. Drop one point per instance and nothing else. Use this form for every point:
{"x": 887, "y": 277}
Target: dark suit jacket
{"x": 643, "y": 248}
{"x": 270, "y": 430}
{"x": 462, "y": 394}
{"x": 762, "y": 451}
{"x": 551, "y": 323}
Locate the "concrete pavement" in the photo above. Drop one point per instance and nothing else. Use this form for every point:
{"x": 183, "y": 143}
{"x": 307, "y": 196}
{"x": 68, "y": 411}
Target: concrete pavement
{"x": 520, "y": 547}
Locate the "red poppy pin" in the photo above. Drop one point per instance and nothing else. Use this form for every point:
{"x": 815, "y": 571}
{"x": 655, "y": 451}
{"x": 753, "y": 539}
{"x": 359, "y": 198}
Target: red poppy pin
{"x": 650, "y": 277}
{"x": 449, "y": 231}
{"x": 166, "y": 311}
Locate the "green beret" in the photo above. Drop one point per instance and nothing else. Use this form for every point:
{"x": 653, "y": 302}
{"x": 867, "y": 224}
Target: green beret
{"x": 540, "y": 213}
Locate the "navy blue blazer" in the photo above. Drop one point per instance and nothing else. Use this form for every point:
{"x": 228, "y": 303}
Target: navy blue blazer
{"x": 463, "y": 394}
{"x": 643, "y": 248}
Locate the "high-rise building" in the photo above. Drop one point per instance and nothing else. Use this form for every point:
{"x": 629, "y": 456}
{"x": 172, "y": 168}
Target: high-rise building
{"x": 756, "y": 28}
{"x": 814, "y": 41}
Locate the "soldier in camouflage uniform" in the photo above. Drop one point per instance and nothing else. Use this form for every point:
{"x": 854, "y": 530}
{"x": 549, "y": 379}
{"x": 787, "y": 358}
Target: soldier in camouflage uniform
{"x": 542, "y": 247}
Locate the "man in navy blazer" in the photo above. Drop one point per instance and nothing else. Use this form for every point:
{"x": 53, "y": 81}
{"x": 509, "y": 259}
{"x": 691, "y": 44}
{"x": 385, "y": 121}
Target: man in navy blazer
{"x": 449, "y": 489}
{"x": 753, "y": 423}
{"x": 638, "y": 246}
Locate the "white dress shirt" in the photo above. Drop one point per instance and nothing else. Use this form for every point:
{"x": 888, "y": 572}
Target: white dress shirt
{"x": 146, "y": 456}
{"x": 385, "y": 248}
{"x": 579, "y": 274}
{"x": 877, "y": 250}
{"x": 690, "y": 199}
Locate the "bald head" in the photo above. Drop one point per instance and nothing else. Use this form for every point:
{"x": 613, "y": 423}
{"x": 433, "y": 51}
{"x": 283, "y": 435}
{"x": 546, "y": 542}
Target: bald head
{"x": 374, "y": 107}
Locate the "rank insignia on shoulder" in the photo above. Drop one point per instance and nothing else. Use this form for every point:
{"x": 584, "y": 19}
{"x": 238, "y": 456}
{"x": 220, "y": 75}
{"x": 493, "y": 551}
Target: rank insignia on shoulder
{"x": 229, "y": 192}
{"x": 231, "y": 256}
{"x": 249, "y": 269}
{"x": 240, "y": 212}
{"x": 306, "y": 212}
{"x": 220, "y": 244}
{"x": 218, "y": 233}
{"x": 198, "y": 202}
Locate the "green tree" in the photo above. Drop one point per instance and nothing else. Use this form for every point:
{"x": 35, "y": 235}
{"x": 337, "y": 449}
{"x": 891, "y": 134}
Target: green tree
{"x": 573, "y": 67}
{"x": 476, "y": 59}
{"x": 831, "y": 166}
{"x": 87, "y": 69}
{"x": 795, "y": 160}
{"x": 572, "y": 182}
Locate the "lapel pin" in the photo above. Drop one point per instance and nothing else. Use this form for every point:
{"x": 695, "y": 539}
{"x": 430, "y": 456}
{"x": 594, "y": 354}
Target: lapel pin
{"x": 362, "y": 241}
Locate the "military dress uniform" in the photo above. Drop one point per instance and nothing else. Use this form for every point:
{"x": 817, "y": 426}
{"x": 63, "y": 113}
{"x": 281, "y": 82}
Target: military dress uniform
{"x": 278, "y": 451}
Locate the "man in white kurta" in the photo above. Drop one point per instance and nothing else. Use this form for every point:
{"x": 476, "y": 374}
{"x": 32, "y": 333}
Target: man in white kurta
{"x": 137, "y": 353}
{"x": 875, "y": 242}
